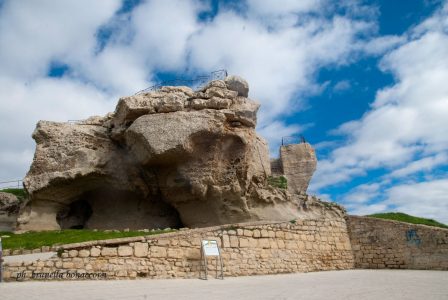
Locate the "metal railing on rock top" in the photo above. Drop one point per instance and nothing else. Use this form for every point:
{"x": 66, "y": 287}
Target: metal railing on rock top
{"x": 287, "y": 140}
{"x": 195, "y": 83}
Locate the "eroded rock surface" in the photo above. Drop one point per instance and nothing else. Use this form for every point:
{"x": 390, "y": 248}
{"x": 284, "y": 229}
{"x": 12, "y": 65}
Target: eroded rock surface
{"x": 298, "y": 165}
{"x": 169, "y": 158}
{"x": 9, "y": 209}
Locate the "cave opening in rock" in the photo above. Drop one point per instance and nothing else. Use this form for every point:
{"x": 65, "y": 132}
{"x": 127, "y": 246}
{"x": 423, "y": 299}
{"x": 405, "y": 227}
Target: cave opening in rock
{"x": 109, "y": 208}
{"x": 75, "y": 215}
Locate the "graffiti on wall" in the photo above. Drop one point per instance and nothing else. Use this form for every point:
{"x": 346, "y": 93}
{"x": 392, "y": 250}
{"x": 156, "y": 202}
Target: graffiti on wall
{"x": 412, "y": 237}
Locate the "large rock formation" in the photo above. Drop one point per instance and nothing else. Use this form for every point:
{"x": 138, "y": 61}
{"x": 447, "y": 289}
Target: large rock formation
{"x": 169, "y": 158}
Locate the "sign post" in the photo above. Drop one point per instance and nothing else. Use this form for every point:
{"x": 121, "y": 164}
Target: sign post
{"x": 1, "y": 260}
{"x": 210, "y": 248}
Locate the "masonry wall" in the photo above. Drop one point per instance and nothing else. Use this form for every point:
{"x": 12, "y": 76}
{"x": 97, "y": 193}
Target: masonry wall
{"x": 380, "y": 243}
{"x": 247, "y": 249}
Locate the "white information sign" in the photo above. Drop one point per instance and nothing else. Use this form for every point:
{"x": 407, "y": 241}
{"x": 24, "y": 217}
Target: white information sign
{"x": 210, "y": 247}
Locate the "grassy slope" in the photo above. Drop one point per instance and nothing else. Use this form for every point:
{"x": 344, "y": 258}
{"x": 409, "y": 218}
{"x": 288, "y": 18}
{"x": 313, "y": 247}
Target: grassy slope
{"x": 408, "y": 219}
{"x": 33, "y": 240}
{"x": 20, "y": 193}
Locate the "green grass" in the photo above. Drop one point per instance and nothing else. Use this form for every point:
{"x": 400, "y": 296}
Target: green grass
{"x": 279, "y": 182}
{"x": 20, "y": 193}
{"x": 33, "y": 240}
{"x": 408, "y": 219}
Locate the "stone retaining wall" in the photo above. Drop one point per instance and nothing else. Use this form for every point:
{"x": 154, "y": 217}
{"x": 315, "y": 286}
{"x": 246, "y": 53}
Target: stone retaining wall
{"x": 378, "y": 243}
{"x": 247, "y": 249}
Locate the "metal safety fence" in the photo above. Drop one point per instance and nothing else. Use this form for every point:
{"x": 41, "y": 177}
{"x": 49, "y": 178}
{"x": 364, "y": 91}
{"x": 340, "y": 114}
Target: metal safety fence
{"x": 287, "y": 140}
{"x": 11, "y": 184}
{"x": 195, "y": 83}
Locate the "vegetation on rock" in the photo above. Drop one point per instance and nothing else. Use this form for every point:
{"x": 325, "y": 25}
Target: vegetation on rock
{"x": 19, "y": 193}
{"x": 278, "y": 181}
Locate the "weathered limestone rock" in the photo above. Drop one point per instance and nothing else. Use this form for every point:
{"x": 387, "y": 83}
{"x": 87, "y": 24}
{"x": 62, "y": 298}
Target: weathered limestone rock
{"x": 238, "y": 84}
{"x": 298, "y": 164}
{"x": 9, "y": 209}
{"x": 170, "y": 158}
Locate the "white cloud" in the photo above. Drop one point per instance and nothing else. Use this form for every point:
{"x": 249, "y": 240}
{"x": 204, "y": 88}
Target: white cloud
{"x": 366, "y": 209}
{"x": 362, "y": 193}
{"x": 407, "y": 121}
{"x": 32, "y": 33}
{"x": 162, "y": 31}
{"x": 48, "y": 99}
{"x": 426, "y": 199}
{"x": 288, "y": 14}
{"x": 383, "y": 44}
{"x": 280, "y": 65}
{"x": 274, "y": 132}
{"x": 342, "y": 85}
{"x": 424, "y": 164}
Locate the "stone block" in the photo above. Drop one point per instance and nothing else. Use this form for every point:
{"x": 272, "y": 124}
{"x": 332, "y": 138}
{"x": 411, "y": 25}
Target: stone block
{"x": 109, "y": 251}
{"x": 290, "y": 245}
{"x": 175, "y": 253}
{"x": 225, "y": 241}
{"x": 301, "y": 245}
{"x": 125, "y": 251}
{"x": 73, "y": 253}
{"x": 253, "y": 243}
{"x": 273, "y": 243}
{"x": 265, "y": 254}
{"x": 244, "y": 243}
{"x": 281, "y": 244}
{"x": 248, "y": 233}
{"x": 163, "y": 242}
{"x": 141, "y": 249}
{"x": 49, "y": 263}
{"x": 68, "y": 265}
{"x": 95, "y": 252}
{"x": 156, "y": 251}
{"x": 280, "y": 234}
{"x": 84, "y": 253}
{"x": 264, "y": 243}
{"x": 234, "y": 241}
{"x": 193, "y": 253}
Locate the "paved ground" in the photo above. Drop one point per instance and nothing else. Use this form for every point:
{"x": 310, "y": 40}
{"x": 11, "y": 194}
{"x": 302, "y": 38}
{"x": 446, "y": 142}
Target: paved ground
{"x": 28, "y": 257}
{"x": 353, "y": 284}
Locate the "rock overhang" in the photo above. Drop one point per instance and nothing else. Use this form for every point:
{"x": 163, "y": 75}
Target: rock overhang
{"x": 191, "y": 153}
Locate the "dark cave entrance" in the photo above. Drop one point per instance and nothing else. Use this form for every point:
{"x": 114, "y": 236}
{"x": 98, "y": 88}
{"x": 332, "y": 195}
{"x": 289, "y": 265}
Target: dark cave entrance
{"x": 75, "y": 215}
{"x": 118, "y": 209}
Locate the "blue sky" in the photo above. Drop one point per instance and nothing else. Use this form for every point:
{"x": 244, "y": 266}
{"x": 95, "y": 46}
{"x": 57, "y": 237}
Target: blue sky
{"x": 363, "y": 81}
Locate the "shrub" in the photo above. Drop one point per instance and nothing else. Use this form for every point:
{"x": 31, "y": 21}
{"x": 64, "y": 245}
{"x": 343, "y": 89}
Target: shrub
{"x": 19, "y": 193}
{"x": 278, "y": 182}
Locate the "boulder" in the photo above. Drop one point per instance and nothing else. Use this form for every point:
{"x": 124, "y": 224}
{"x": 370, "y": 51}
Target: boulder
{"x": 169, "y": 158}
{"x": 237, "y": 84}
{"x": 9, "y": 209}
